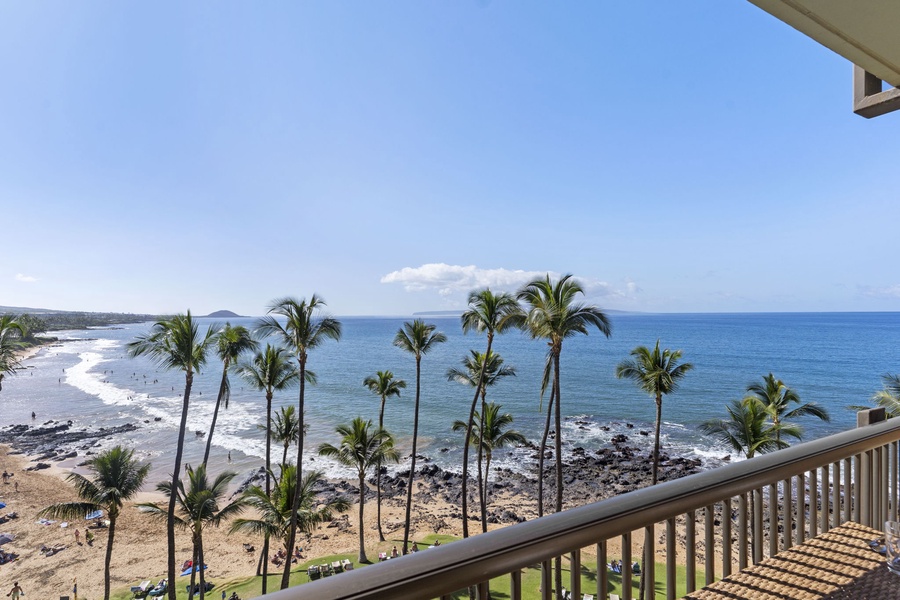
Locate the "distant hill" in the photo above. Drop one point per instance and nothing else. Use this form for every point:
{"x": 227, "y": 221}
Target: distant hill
{"x": 223, "y": 314}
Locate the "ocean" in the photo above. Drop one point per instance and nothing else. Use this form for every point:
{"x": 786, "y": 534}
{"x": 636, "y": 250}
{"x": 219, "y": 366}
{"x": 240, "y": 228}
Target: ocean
{"x": 833, "y": 359}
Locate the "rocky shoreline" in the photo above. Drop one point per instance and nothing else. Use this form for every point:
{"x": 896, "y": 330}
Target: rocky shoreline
{"x": 589, "y": 475}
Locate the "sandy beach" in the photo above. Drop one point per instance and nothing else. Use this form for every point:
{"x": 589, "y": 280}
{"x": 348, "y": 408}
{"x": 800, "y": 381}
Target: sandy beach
{"x": 140, "y": 543}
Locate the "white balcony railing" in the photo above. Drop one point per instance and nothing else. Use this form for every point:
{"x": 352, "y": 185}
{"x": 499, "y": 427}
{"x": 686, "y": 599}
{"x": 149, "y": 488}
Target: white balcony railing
{"x": 794, "y": 494}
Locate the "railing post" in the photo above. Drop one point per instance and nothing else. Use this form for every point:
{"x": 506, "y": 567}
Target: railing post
{"x": 602, "y": 573}
{"x": 773, "y": 519}
{"x": 626, "y": 566}
{"x": 690, "y": 552}
{"x": 813, "y": 503}
{"x": 515, "y": 585}
{"x": 787, "y": 522}
{"x": 575, "y": 573}
{"x": 743, "y": 534}
{"x": 758, "y": 539}
{"x": 671, "y": 553}
{"x": 726, "y": 537}
{"x": 709, "y": 544}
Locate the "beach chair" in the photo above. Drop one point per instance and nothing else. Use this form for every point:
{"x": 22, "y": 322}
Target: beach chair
{"x": 587, "y": 597}
{"x": 326, "y": 570}
{"x": 313, "y": 573}
{"x": 337, "y": 567}
{"x": 382, "y": 556}
{"x": 348, "y": 566}
{"x": 613, "y": 597}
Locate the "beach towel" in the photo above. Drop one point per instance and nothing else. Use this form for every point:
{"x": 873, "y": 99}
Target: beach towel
{"x": 189, "y": 570}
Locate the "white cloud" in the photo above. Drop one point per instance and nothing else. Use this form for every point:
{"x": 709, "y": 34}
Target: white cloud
{"x": 25, "y": 278}
{"x": 890, "y": 291}
{"x": 452, "y": 282}
{"x": 448, "y": 279}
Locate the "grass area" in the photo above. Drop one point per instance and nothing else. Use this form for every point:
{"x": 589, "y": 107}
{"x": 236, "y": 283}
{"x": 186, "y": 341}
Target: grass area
{"x": 251, "y": 587}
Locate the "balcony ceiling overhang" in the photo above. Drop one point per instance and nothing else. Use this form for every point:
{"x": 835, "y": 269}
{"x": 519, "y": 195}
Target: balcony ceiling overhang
{"x": 865, "y": 32}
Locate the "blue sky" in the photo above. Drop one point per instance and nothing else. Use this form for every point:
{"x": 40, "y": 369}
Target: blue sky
{"x": 391, "y": 156}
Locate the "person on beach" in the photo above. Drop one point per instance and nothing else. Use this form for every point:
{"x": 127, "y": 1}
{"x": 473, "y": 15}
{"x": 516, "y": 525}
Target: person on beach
{"x": 394, "y": 552}
{"x": 415, "y": 547}
{"x": 77, "y": 536}
{"x": 88, "y": 537}
{"x": 16, "y": 591}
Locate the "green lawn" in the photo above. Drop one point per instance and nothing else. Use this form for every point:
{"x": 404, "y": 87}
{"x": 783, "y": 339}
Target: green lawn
{"x": 251, "y": 587}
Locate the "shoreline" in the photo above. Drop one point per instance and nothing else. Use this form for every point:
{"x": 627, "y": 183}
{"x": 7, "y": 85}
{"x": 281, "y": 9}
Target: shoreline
{"x": 140, "y": 543}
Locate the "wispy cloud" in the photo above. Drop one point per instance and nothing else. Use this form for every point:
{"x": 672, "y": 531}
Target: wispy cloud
{"x": 889, "y": 291}
{"x": 25, "y": 278}
{"x": 451, "y": 281}
{"x": 447, "y": 279}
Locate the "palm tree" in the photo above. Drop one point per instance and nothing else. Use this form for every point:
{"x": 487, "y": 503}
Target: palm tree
{"x": 490, "y": 313}
{"x": 748, "y": 431}
{"x": 362, "y": 449}
{"x": 271, "y": 371}
{"x": 417, "y": 338}
{"x": 486, "y": 370}
{"x": 274, "y": 511}
{"x": 301, "y": 331}
{"x": 554, "y": 315}
{"x": 11, "y": 334}
{"x": 383, "y": 385}
{"x": 489, "y": 434}
{"x": 286, "y": 429}
{"x": 116, "y": 478}
{"x": 657, "y": 373}
{"x": 887, "y": 398}
{"x": 778, "y": 398}
{"x": 176, "y": 344}
{"x": 199, "y": 506}
{"x": 230, "y": 344}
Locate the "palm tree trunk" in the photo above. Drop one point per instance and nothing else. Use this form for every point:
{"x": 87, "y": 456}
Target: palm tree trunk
{"x": 362, "y": 503}
{"x": 378, "y": 476}
{"x": 559, "y": 475}
{"x": 412, "y": 468}
{"x": 215, "y": 417}
{"x": 201, "y": 563}
{"x": 487, "y": 469}
{"x": 195, "y": 556}
{"x": 541, "y": 452}
{"x": 467, "y": 443}
{"x": 292, "y": 535}
{"x": 656, "y": 439}
{"x": 265, "y": 563}
{"x": 109, "y": 550}
{"x": 465, "y": 465}
{"x": 176, "y": 473}
{"x": 480, "y": 477}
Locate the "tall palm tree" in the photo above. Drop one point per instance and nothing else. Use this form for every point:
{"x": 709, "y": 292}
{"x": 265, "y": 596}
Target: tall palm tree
{"x": 286, "y": 429}
{"x": 199, "y": 506}
{"x": 490, "y": 433}
{"x": 176, "y": 343}
{"x": 657, "y": 373}
{"x": 11, "y": 334}
{"x": 482, "y": 371}
{"x": 553, "y": 315}
{"x": 778, "y": 398}
{"x": 230, "y": 344}
{"x": 270, "y": 370}
{"x": 417, "y": 338}
{"x": 274, "y": 511}
{"x": 383, "y": 385}
{"x": 362, "y": 449}
{"x": 116, "y": 478}
{"x": 302, "y": 330}
{"x": 489, "y": 313}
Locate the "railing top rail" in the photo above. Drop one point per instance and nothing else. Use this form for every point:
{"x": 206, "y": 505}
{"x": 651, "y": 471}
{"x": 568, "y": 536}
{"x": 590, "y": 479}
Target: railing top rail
{"x": 438, "y": 571}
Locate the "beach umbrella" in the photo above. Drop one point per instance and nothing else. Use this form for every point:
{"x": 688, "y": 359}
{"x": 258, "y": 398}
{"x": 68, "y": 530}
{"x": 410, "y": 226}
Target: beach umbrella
{"x": 5, "y": 538}
{"x": 94, "y": 515}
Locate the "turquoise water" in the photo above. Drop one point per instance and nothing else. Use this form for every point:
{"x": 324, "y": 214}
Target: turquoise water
{"x": 834, "y": 359}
